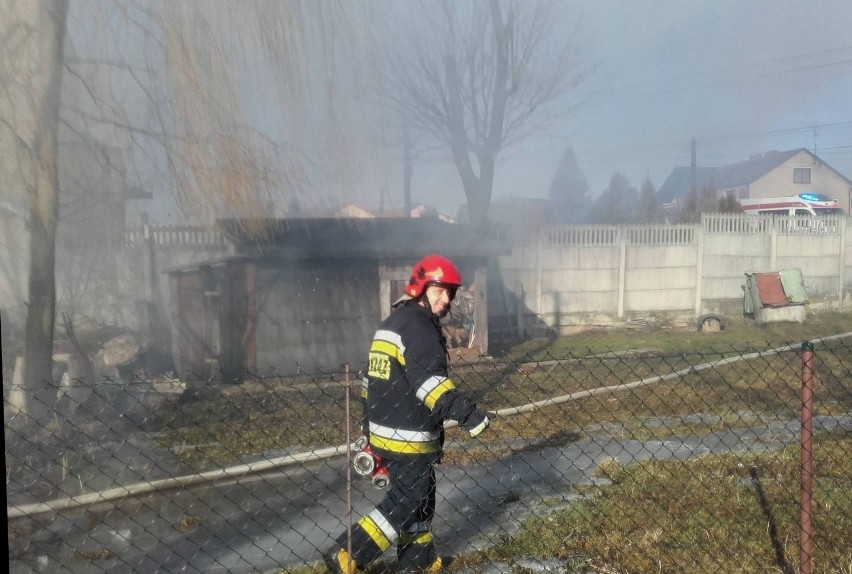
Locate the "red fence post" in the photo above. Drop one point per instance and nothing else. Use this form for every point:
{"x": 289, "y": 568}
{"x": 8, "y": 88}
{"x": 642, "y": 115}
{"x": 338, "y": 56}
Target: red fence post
{"x": 807, "y": 457}
{"x": 348, "y": 394}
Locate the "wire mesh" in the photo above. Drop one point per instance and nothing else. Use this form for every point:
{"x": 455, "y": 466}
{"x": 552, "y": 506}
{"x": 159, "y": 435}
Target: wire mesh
{"x": 595, "y": 462}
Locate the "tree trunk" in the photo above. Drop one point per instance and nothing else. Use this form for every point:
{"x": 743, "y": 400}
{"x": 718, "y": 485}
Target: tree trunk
{"x": 46, "y": 85}
{"x": 478, "y": 193}
{"x": 478, "y": 188}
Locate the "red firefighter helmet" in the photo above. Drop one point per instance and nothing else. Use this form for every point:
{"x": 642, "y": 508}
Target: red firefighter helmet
{"x": 432, "y": 270}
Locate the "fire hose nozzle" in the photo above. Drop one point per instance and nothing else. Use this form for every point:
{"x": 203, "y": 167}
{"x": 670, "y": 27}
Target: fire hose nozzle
{"x": 381, "y": 478}
{"x": 368, "y": 464}
{"x": 364, "y": 463}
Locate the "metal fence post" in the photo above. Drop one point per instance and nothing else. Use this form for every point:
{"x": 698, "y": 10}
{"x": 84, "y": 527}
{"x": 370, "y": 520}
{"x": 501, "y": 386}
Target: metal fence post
{"x": 807, "y": 458}
{"x": 348, "y": 469}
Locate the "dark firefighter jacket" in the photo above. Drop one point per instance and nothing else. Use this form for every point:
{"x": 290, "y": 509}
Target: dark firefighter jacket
{"x": 407, "y": 392}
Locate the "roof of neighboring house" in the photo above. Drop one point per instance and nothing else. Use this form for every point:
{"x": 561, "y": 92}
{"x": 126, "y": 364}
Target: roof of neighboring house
{"x": 418, "y": 210}
{"x": 352, "y": 210}
{"x": 680, "y": 182}
{"x": 377, "y": 238}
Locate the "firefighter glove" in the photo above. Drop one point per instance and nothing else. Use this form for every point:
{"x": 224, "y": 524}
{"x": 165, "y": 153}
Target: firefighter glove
{"x": 477, "y": 430}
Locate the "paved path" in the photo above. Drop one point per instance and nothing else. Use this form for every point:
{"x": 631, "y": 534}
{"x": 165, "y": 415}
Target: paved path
{"x": 282, "y": 518}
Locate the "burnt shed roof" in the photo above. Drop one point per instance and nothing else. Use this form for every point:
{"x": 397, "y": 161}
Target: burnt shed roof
{"x": 356, "y": 238}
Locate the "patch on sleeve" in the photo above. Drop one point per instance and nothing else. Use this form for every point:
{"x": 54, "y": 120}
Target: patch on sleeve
{"x": 379, "y": 366}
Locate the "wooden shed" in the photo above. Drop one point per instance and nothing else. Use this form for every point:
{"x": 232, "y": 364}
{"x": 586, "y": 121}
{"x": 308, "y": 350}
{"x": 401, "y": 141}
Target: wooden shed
{"x": 306, "y": 295}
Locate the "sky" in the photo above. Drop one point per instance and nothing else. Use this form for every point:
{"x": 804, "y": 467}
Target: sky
{"x": 740, "y": 78}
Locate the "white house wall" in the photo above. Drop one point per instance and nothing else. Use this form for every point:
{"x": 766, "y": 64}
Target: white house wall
{"x": 824, "y": 180}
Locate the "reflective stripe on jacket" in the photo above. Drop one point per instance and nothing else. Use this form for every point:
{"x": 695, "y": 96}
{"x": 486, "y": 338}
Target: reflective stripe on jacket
{"x": 408, "y": 393}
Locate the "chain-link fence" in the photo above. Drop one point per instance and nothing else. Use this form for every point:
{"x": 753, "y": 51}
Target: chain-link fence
{"x": 616, "y": 462}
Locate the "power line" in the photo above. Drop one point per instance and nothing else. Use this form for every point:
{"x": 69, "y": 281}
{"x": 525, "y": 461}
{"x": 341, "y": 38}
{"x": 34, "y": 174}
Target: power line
{"x": 822, "y": 149}
{"x": 777, "y": 132}
{"x": 684, "y": 143}
{"x": 711, "y": 78}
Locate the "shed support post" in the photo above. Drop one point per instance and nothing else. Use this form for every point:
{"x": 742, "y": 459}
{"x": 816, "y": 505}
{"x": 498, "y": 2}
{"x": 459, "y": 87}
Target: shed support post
{"x": 481, "y": 309}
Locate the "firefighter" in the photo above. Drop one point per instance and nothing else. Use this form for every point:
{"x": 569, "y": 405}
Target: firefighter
{"x": 407, "y": 396}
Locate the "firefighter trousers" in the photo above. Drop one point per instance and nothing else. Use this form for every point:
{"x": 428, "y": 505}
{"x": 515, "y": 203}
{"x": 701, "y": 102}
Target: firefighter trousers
{"x": 403, "y": 518}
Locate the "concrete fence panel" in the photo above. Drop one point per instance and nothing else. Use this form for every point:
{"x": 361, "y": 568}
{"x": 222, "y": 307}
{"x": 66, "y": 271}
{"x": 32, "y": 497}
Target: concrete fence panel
{"x": 571, "y": 273}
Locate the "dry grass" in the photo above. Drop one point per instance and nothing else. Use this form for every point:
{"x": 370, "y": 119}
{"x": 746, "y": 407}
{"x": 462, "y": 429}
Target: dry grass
{"x": 733, "y": 513}
{"x": 730, "y": 513}
{"x": 707, "y": 514}
{"x": 265, "y": 417}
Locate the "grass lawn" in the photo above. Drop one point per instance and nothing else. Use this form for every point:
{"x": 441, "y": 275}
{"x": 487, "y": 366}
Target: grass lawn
{"x": 733, "y": 513}
{"x": 659, "y": 516}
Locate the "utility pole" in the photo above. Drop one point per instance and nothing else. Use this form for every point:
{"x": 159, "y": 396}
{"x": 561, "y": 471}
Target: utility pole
{"x": 407, "y": 171}
{"x": 815, "y": 138}
{"x": 694, "y": 165}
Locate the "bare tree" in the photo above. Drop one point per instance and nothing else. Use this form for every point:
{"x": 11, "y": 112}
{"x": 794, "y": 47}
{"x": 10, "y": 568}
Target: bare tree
{"x": 478, "y": 77}
{"x": 34, "y": 34}
{"x": 180, "y": 102}
{"x": 198, "y": 71}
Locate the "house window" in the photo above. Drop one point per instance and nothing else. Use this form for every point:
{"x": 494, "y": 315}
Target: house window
{"x": 742, "y": 194}
{"x": 801, "y": 175}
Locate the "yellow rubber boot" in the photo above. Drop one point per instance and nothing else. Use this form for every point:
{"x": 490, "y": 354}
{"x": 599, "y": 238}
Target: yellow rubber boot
{"x": 339, "y": 562}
